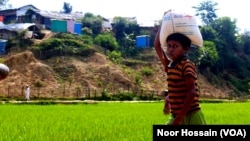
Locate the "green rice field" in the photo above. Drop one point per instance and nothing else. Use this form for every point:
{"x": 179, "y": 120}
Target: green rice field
{"x": 118, "y": 121}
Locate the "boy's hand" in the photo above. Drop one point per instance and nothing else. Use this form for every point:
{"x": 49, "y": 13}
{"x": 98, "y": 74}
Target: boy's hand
{"x": 166, "y": 111}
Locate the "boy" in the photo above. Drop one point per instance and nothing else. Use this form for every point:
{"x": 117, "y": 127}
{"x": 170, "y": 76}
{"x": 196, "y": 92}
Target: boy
{"x": 182, "y": 80}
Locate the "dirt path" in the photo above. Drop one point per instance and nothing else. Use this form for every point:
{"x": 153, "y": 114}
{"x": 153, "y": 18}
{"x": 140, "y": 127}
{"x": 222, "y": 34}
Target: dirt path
{"x": 48, "y": 34}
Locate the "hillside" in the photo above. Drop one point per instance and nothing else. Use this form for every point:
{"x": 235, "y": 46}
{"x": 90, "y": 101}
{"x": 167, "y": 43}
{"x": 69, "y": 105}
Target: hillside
{"x": 64, "y": 74}
{"x": 93, "y": 72}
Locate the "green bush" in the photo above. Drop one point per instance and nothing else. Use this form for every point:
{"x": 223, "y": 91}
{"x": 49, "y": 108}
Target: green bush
{"x": 211, "y": 101}
{"x": 67, "y": 36}
{"x": 107, "y": 41}
{"x": 51, "y": 44}
{"x": 115, "y": 56}
{"x": 123, "y": 96}
{"x": 146, "y": 71}
{"x": 87, "y": 40}
{"x": 86, "y": 51}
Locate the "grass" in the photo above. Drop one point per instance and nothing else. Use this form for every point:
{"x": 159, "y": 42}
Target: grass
{"x": 100, "y": 122}
{"x": 227, "y": 113}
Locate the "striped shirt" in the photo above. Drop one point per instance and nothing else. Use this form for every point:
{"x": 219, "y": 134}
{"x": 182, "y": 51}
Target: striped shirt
{"x": 177, "y": 90}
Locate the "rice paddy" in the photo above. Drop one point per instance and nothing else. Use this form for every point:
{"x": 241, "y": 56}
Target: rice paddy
{"x": 102, "y": 121}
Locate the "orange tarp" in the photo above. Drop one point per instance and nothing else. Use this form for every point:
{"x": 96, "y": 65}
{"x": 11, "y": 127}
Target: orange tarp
{"x": 1, "y": 18}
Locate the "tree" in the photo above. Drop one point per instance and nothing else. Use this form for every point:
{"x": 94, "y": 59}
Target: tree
{"x": 208, "y": 33}
{"x": 3, "y": 3}
{"x": 92, "y": 22}
{"x": 67, "y": 8}
{"x": 226, "y": 44}
{"x": 125, "y": 31}
{"x": 106, "y": 40}
{"x": 206, "y": 10}
{"x": 119, "y": 27}
{"x": 244, "y": 41}
{"x": 208, "y": 55}
{"x": 226, "y": 31}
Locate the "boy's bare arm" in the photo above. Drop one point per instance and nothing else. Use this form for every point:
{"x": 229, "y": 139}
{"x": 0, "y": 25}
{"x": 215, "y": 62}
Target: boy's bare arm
{"x": 161, "y": 55}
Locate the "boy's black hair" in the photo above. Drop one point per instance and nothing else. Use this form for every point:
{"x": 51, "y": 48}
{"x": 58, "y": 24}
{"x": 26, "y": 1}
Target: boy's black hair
{"x": 183, "y": 39}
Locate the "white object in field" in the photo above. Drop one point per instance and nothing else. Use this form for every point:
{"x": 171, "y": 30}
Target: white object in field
{"x": 180, "y": 22}
{"x": 4, "y": 71}
{"x": 27, "y": 95}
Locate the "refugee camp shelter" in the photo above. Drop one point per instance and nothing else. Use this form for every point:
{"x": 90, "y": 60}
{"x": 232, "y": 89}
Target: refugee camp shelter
{"x": 143, "y": 41}
{"x": 8, "y": 15}
{"x": 23, "y": 17}
{"x": 10, "y": 30}
{"x": 45, "y": 18}
{"x": 14, "y": 15}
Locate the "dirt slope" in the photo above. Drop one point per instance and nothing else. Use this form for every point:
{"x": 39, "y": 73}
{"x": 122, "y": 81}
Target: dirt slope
{"x": 95, "y": 72}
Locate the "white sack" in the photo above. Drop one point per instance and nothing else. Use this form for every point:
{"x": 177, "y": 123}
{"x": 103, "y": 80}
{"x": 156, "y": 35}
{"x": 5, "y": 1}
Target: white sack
{"x": 180, "y": 22}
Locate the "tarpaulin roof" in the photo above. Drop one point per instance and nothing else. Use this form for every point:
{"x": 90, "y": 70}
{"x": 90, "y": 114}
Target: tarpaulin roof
{"x": 17, "y": 26}
{"x": 21, "y": 11}
{"x": 61, "y": 16}
{"x": 2, "y": 24}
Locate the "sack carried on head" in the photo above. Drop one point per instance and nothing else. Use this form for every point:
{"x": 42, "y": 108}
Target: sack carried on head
{"x": 186, "y": 24}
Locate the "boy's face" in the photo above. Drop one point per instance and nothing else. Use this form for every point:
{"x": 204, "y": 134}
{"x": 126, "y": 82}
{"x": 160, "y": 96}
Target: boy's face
{"x": 175, "y": 50}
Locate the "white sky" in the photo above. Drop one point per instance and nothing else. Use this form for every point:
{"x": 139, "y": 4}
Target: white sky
{"x": 146, "y": 11}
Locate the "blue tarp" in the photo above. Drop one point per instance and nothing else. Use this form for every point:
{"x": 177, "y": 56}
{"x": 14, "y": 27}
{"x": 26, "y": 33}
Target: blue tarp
{"x": 78, "y": 28}
{"x": 3, "y": 46}
{"x": 142, "y": 41}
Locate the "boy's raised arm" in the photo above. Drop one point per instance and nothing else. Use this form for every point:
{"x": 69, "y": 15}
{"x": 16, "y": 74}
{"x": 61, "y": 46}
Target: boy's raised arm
{"x": 161, "y": 54}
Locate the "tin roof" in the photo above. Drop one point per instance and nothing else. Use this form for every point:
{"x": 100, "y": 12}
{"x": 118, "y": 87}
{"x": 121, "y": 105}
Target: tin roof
{"x": 60, "y": 16}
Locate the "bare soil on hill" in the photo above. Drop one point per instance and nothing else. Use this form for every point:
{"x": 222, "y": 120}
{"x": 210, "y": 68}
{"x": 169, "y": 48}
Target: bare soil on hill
{"x": 47, "y": 35}
{"x": 94, "y": 72}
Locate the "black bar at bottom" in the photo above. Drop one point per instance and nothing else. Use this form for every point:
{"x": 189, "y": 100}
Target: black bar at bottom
{"x": 198, "y": 132}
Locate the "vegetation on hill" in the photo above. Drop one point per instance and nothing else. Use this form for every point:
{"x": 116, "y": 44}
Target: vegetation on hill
{"x": 226, "y": 50}
{"x": 63, "y": 63}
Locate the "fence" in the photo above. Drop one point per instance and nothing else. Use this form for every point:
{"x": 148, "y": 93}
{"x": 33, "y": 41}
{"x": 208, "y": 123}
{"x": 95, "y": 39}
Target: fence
{"x": 64, "y": 92}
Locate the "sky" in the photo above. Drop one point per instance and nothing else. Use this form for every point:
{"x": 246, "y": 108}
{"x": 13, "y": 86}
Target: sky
{"x": 147, "y": 11}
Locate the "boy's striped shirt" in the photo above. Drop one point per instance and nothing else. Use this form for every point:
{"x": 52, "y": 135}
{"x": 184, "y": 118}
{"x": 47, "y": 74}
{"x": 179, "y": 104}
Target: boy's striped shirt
{"x": 177, "y": 85}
